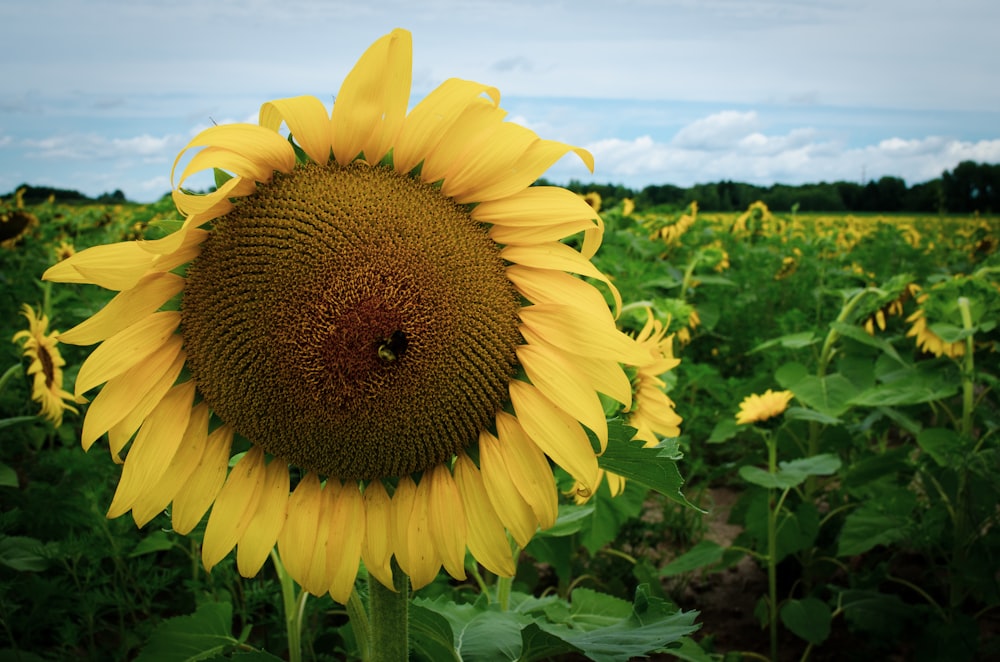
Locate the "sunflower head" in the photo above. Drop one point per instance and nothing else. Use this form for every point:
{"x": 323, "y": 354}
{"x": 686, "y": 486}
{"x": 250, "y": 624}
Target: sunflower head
{"x": 381, "y": 304}
{"x": 763, "y": 407}
{"x": 937, "y": 325}
{"x": 40, "y": 347}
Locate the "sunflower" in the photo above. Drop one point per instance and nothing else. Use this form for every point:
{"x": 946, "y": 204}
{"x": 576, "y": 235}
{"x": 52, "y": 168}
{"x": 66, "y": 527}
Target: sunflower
{"x": 652, "y": 412}
{"x": 759, "y": 408}
{"x": 379, "y": 310}
{"x": 40, "y": 346}
{"x": 64, "y": 251}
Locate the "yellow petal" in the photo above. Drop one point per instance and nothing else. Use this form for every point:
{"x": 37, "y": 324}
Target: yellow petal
{"x": 494, "y": 160}
{"x": 112, "y": 266}
{"x": 534, "y": 161}
{"x": 487, "y": 538}
{"x": 377, "y": 549}
{"x": 307, "y": 120}
{"x": 122, "y": 431}
{"x": 446, "y": 518}
{"x": 347, "y": 526}
{"x": 123, "y": 394}
{"x": 156, "y": 498}
{"x": 577, "y": 332}
{"x": 127, "y": 348}
{"x": 556, "y": 376}
{"x": 530, "y": 469}
{"x": 556, "y": 433}
{"x": 560, "y": 257}
{"x": 154, "y": 447}
{"x": 371, "y": 106}
{"x": 261, "y": 534}
{"x": 535, "y": 206}
{"x": 298, "y": 537}
{"x": 510, "y": 506}
{"x": 191, "y": 503}
{"x": 259, "y": 144}
{"x": 402, "y": 513}
{"x": 424, "y": 560}
{"x": 551, "y": 286}
{"x": 432, "y": 118}
{"x": 505, "y": 234}
{"x": 234, "y": 507}
{"x": 474, "y": 125}
{"x": 318, "y": 573}
{"x": 128, "y": 307}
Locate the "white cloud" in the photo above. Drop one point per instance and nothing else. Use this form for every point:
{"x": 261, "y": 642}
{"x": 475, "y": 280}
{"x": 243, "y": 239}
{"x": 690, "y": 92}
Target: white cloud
{"x": 727, "y": 146}
{"x": 96, "y": 147}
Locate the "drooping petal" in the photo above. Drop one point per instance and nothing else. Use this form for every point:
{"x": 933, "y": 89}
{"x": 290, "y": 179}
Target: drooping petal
{"x": 255, "y": 143}
{"x": 347, "y": 526}
{"x": 505, "y": 234}
{"x": 191, "y": 503}
{"x": 424, "y": 560}
{"x": 318, "y": 572}
{"x": 530, "y": 470}
{"x": 155, "y": 499}
{"x": 298, "y": 536}
{"x": 234, "y": 507}
{"x": 446, "y": 518}
{"x": 261, "y": 534}
{"x": 128, "y": 307}
{"x": 487, "y": 538}
{"x": 535, "y": 206}
{"x": 377, "y": 549}
{"x": 551, "y": 286}
{"x": 112, "y": 266}
{"x": 127, "y": 348}
{"x": 558, "y": 378}
{"x": 307, "y": 120}
{"x": 371, "y": 106}
{"x": 555, "y": 432}
{"x": 402, "y": 513}
{"x": 124, "y": 393}
{"x": 154, "y": 447}
{"x": 510, "y": 506}
{"x": 433, "y": 117}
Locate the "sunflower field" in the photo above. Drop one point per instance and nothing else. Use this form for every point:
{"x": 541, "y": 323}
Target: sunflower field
{"x": 837, "y": 381}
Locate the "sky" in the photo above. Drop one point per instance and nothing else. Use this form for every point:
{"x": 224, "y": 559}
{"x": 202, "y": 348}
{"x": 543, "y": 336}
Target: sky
{"x": 99, "y": 95}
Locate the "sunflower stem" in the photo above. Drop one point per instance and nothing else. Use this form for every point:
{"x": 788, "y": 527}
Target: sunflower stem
{"x": 293, "y": 609}
{"x": 389, "y": 618}
{"x": 359, "y": 625}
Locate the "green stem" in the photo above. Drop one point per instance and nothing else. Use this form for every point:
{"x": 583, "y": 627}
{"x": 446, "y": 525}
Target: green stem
{"x": 359, "y": 625}
{"x": 772, "y": 544}
{"x": 292, "y": 607}
{"x": 503, "y": 592}
{"x": 389, "y": 613}
{"x": 968, "y": 406}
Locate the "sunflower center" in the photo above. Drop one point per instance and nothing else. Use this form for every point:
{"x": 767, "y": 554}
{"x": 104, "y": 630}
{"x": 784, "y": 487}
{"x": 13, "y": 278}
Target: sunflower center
{"x": 351, "y": 321}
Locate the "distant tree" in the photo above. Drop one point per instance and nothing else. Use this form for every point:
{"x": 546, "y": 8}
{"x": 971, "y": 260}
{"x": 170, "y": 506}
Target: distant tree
{"x": 972, "y": 187}
{"x": 112, "y": 198}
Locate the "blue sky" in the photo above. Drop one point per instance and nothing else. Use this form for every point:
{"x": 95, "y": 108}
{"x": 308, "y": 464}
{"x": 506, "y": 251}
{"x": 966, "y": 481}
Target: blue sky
{"x": 100, "y": 95}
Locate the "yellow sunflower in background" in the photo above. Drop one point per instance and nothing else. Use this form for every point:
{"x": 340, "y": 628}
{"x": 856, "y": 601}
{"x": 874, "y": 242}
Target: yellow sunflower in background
{"x": 45, "y": 369}
{"x": 378, "y": 308}
{"x": 759, "y": 408}
{"x": 652, "y": 412}
{"x": 64, "y": 251}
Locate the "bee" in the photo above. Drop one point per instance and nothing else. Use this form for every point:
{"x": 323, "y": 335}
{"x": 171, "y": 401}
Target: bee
{"x": 393, "y": 347}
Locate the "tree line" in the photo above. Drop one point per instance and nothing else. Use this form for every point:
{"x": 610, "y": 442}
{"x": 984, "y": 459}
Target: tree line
{"x": 969, "y": 187}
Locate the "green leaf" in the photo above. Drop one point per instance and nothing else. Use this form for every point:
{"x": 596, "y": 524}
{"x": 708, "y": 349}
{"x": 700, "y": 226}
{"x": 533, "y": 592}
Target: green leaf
{"x": 157, "y": 541}
{"x": 891, "y": 395}
{"x": 15, "y": 420}
{"x": 792, "y": 473}
{"x": 480, "y": 631}
{"x": 946, "y": 446}
{"x": 430, "y": 634}
{"x": 704, "y": 553}
{"x": 803, "y": 414}
{"x": 221, "y": 177}
{"x": 571, "y": 519}
{"x": 199, "y": 636}
{"x": 611, "y": 513}
{"x": 808, "y": 619}
{"x": 8, "y": 477}
{"x": 655, "y": 467}
{"x": 537, "y": 644}
{"x": 877, "y": 522}
{"x": 724, "y": 430}
{"x": 597, "y": 626}
{"x": 24, "y": 554}
{"x": 791, "y": 341}
{"x": 858, "y": 334}
{"x": 829, "y": 394}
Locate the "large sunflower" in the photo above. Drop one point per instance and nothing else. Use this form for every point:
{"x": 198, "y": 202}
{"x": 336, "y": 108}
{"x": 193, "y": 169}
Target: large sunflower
{"x": 45, "y": 367}
{"x": 379, "y": 311}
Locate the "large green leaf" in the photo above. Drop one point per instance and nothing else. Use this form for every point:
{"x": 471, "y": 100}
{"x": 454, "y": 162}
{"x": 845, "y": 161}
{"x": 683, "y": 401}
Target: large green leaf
{"x": 654, "y": 467}
{"x": 198, "y": 636}
{"x": 945, "y": 445}
{"x": 8, "y": 477}
{"x": 830, "y": 394}
{"x": 611, "y": 513}
{"x": 25, "y": 554}
{"x": 885, "y": 518}
{"x": 431, "y": 635}
{"x": 808, "y": 619}
{"x": 704, "y": 553}
{"x": 858, "y": 334}
{"x": 479, "y": 631}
